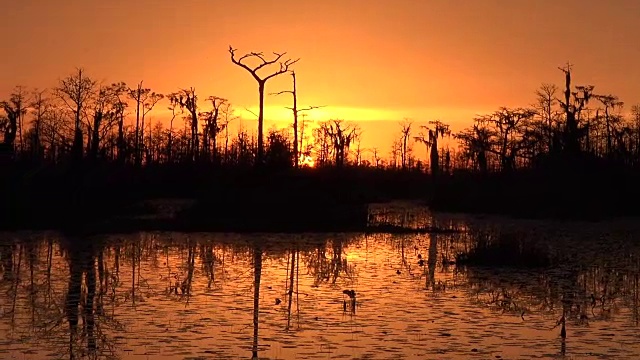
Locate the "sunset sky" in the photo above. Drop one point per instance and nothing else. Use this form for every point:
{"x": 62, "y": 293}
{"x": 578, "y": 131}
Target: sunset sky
{"x": 373, "y": 61}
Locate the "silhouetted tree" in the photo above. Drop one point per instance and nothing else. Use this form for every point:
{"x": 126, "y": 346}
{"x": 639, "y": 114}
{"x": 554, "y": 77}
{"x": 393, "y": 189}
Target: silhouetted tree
{"x": 145, "y": 101}
{"x": 573, "y": 104}
{"x": 476, "y": 143}
{"x": 546, "y": 100}
{"x": 76, "y": 91}
{"x": 187, "y": 100}
{"x": 120, "y": 105}
{"x": 405, "y": 137}
{"x": 278, "y": 154}
{"x": 15, "y": 109}
{"x": 609, "y": 102}
{"x": 41, "y": 106}
{"x": 212, "y": 127}
{"x": 284, "y": 67}
{"x": 435, "y": 130}
{"x": 227, "y": 117}
{"x": 296, "y": 111}
{"x": 508, "y": 123}
{"x": 339, "y": 136}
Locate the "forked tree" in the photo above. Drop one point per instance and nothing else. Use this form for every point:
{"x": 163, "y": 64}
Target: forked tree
{"x": 253, "y": 70}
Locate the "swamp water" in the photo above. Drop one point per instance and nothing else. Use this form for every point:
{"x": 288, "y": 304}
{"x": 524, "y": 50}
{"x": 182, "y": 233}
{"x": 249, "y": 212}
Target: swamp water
{"x": 195, "y": 296}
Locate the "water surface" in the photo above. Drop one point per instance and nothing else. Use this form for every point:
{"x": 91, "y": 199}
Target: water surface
{"x": 194, "y": 296}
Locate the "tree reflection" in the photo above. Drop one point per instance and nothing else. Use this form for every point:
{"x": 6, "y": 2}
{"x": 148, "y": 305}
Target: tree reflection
{"x": 579, "y": 285}
{"x": 257, "y": 273}
{"x": 82, "y": 290}
{"x": 327, "y": 263}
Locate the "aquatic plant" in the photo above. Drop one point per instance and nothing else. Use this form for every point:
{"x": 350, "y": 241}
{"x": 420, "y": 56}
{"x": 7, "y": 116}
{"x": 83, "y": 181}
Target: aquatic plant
{"x": 503, "y": 250}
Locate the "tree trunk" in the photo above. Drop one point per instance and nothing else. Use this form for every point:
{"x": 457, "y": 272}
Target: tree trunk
{"x": 435, "y": 158}
{"x": 257, "y": 271}
{"x": 121, "y": 138}
{"x": 137, "y": 134}
{"x": 295, "y": 123}
{"x": 260, "y": 156}
{"x": 95, "y": 136}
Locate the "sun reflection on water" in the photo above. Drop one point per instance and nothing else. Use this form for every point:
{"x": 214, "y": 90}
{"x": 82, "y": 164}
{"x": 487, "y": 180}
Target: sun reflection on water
{"x": 176, "y": 296}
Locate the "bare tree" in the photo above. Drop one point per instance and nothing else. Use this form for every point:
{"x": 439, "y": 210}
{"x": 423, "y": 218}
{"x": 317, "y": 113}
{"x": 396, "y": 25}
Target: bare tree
{"x": 507, "y": 123}
{"x": 376, "y": 156}
{"x": 119, "y": 90}
{"x": 76, "y": 91}
{"x": 187, "y": 100}
{"x": 284, "y": 67}
{"x": 228, "y": 117}
{"x": 546, "y": 100}
{"x": 305, "y": 151}
{"x": 574, "y": 102}
{"x": 41, "y": 106}
{"x": 429, "y": 136}
{"x": 174, "y": 112}
{"x": 15, "y": 109}
{"x": 405, "y": 133}
{"x": 211, "y": 126}
{"x": 341, "y": 136}
{"x": 476, "y": 144}
{"x": 296, "y": 111}
{"x": 145, "y": 101}
{"x": 107, "y": 113}
{"x": 609, "y": 102}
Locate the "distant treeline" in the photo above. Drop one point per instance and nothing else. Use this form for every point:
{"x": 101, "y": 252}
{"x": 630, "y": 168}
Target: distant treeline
{"x": 573, "y": 146}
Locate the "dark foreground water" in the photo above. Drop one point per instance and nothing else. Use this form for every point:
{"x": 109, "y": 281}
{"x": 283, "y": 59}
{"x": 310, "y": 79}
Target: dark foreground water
{"x": 224, "y": 296}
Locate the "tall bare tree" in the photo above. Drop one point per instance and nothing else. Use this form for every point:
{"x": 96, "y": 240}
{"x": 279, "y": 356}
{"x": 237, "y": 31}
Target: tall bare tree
{"x": 546, "y": 100}
{"x": 253, "y": 70}
{"x": 41, "y": 107}
{"x": 228, "y": 115}
{"x": 405, "y": 132}
{"x": 120, "y": 91}
{"x": 296, "y": 112}
{"x": 76, "y": 91}
{"x": 145, "y": 101}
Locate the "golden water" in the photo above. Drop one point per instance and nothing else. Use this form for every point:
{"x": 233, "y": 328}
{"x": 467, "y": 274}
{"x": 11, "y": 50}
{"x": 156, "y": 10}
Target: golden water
{"x": 121, "y": 292}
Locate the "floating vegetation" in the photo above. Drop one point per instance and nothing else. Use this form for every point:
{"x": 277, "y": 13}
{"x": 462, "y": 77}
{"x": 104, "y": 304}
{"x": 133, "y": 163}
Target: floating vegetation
{"x": 504, "y": 250}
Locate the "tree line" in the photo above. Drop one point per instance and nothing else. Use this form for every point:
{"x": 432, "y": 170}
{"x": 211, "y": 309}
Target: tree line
{"x": 81, "y": 120}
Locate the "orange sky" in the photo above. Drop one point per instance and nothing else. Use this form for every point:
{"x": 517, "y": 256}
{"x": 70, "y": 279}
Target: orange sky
{"x": 380, "y": 60}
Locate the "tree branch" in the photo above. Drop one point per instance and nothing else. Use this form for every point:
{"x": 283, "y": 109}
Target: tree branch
{"x": 284, "y": 66}
{"x": 282, "y": 92}
{"x": 254, "y": 114}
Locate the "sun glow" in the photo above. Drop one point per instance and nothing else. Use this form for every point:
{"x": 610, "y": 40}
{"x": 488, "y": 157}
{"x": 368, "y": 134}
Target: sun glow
{"x": 282, "y": 114}
{"x": 307, "y": 161}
